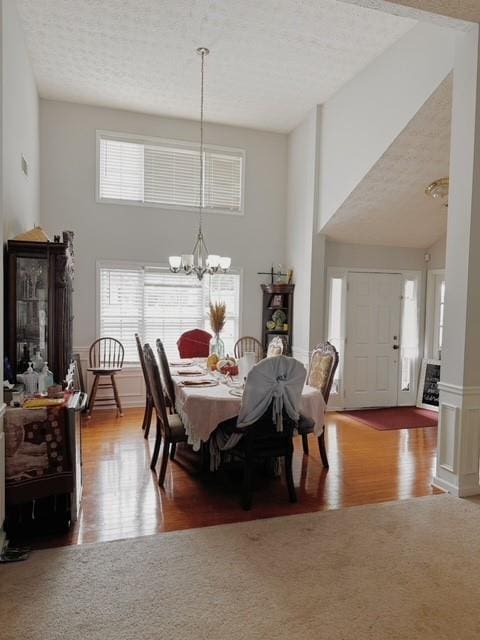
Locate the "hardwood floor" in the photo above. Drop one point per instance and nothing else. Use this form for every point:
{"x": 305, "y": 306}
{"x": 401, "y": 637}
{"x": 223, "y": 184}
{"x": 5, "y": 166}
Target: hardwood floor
{"x": 122, "y": 499}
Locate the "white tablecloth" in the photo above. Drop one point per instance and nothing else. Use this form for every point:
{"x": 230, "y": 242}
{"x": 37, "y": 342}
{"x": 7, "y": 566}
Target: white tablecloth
{"x": 202, "y": 409}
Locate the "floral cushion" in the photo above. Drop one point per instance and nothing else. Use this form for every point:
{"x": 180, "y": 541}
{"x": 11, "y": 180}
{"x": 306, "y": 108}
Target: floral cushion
{"x": 320, "y": 367}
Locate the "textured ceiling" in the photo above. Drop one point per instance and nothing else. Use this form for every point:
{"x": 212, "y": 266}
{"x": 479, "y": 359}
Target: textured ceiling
{"x": 458, "y": 14}
{"x": 461, "y": 9}
{"x": 271, "y": 60}
{"x": 389, "y": 207}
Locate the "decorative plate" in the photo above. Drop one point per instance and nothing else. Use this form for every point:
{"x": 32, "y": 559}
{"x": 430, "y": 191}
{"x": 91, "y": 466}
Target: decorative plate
{"x": 279, "y": 316}
{"x": 270, "y": 325}
{"x": 186, "y": 372}
{"x": 198, "y": 383}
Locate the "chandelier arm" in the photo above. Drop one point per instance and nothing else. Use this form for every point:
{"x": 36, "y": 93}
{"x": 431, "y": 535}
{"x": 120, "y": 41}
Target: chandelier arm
{"x": 203, "y": 51}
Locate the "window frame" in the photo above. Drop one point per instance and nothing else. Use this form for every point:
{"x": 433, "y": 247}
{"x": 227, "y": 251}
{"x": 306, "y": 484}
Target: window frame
{"x": 130, "y": 264}
{"x": 143, "y": 139}
{"x": 337, "y": 395}
{"x": 435, "y": 277}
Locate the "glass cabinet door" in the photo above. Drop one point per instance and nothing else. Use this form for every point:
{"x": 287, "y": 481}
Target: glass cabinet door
{"x": 32, "y": 312}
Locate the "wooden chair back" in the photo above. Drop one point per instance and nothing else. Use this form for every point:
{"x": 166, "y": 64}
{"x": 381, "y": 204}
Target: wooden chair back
{"x": 323, "y": 364}
{"x": 106, "y": 353}
{"x": 165, "y": 375}
{"x": 194, "y": 344}
{"x": 156, "y": 389}
{"x": 142, "y": 364}
{"x": 247, "y": 343}
{"x": 262, "y": 438}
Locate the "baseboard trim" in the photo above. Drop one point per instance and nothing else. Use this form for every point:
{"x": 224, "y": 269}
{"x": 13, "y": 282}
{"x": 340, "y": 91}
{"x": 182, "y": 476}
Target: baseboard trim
{"x": 132, "y": 404}
{"x": 458, "y": 492}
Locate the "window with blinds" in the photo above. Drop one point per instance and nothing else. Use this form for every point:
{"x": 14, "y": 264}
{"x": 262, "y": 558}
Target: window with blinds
{"x": 166, "y": 173}
{"x": 155, "y": 303}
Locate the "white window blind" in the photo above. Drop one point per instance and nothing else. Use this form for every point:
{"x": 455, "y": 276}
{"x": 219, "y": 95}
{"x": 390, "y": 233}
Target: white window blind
{"x": 158, "y": 304}
{"x": 121, "y": 307}
{"x": 167, "y": 173}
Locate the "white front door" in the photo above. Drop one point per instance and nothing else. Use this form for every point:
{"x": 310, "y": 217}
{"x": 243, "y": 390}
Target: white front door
{"x": 373, "y": 339}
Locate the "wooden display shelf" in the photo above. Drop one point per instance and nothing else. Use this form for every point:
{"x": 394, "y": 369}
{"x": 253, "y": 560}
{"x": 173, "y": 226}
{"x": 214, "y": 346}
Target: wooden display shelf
{"x": 286, "y": 291}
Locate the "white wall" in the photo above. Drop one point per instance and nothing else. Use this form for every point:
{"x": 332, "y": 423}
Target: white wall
{"x": 437, "y": 254}
{"x": 363, "y": 119}
{"x": 301, "y": 206}
{"x": 20, "y": 193}
{"x": 317, "y": 288}
{"x": 339, "y": 254}
{"x": 109, "y": 232}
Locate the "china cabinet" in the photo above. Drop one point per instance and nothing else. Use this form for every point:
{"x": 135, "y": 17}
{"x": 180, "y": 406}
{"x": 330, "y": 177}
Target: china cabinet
{"x": 277, "y": 315}
{"x": 38, "y": 291}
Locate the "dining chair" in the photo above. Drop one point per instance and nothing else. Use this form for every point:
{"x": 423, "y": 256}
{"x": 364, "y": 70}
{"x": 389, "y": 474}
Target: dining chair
{"x": 194, "y": 344}
{"x": 166, "y": 377}
{"x": 105, "y": 357}
{"x": 264, "y": 427}
{"x": 147, "y": 415}
{"x": 262, "y": 441}
{"x": 170, "y": 427}
{"x": 248, "y": 344}
{"x": 321, "y": 373}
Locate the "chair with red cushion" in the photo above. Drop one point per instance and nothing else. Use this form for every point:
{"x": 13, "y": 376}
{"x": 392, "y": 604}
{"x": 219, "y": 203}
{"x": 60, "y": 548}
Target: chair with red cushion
{"x": 194, "y": 344}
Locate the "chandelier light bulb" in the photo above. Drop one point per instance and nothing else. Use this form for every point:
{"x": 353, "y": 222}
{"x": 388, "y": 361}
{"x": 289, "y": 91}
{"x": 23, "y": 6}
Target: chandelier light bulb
{"x": 175, "y": 263}
{"x": 225, "y": 263}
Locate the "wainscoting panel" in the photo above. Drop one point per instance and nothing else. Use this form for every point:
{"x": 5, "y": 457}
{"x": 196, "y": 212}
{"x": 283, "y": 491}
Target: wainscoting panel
{"x": 449, "y": 416}
{"x": 472, "y": 439}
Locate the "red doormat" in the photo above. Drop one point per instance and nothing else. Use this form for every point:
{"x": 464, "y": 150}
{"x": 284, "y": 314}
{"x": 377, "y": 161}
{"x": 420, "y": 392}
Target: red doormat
{"x": 395, "y": 418}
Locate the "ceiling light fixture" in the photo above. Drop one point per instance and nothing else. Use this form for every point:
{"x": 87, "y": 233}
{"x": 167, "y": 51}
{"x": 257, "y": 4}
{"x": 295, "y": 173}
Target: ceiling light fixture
{"x": 200, "y": 261}
{"x": 438, "y": 189}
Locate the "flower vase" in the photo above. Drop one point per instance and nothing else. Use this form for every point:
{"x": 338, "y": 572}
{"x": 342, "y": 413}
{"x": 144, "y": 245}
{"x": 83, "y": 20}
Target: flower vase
{"x": 217, "y": 346}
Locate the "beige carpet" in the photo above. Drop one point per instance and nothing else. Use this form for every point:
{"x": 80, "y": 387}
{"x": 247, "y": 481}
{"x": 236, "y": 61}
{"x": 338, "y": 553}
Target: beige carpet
{"x": 402, "y": 570}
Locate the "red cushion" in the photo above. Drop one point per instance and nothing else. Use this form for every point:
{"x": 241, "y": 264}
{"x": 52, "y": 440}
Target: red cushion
{"x": 194, "y": 344}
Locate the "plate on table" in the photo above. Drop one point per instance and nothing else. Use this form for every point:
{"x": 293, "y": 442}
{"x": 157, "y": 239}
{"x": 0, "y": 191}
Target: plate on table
{"x": 236, "y": 392}
{"x": 186, "y": 372}
{"x": 198, "y": 383}
{"x": 181, "y": 363}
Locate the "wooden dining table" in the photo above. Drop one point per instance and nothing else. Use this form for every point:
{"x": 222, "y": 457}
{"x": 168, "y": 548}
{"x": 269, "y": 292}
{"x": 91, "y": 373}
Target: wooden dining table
{"x": 203, "y": 408}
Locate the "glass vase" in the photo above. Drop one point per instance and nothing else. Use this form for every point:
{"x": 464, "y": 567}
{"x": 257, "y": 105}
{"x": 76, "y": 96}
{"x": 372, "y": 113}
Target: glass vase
{"x": 217, "y": 346}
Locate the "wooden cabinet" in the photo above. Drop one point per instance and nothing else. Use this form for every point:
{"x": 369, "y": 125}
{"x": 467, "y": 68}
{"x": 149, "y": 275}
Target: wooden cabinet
{"x": 43, "y": 467}
{"x": 38, "y": 290}
{"x": 278, "y": 311}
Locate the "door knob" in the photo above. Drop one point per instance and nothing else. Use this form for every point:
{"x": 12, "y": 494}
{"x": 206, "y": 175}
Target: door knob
{"x": 396, "y": 346}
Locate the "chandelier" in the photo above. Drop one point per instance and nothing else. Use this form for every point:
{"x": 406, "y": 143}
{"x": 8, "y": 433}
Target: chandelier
{"x": 200, "y": 261}
{"x": 438, "y": 189}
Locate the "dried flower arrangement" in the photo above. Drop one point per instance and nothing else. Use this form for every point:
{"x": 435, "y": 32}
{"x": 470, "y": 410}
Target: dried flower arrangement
{"x": 217, "y": 316}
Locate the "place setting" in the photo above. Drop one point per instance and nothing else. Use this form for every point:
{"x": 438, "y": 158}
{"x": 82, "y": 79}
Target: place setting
{"x": 199, "y": 382}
